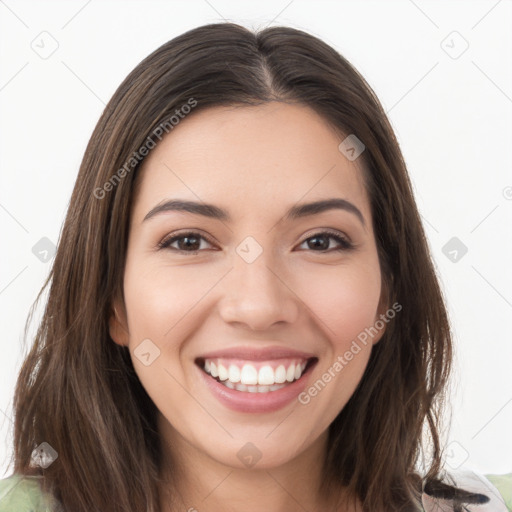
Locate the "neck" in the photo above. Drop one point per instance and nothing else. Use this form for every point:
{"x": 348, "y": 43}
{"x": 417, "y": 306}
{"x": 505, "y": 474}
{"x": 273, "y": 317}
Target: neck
{"x": 196, "y": 482}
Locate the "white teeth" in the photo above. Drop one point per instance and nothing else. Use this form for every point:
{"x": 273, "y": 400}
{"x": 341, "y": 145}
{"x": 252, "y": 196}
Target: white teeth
{"x": 290, "y": 373}
{"x": 234, "y": 373}
{"x": 249, "y": 375}
{"x": 266, "y": 376}
{"x": 280, "y": 375}
{"x": 251, "y": 380}
{"x": 223, "y": 373}
{"x": 252, "y": 389}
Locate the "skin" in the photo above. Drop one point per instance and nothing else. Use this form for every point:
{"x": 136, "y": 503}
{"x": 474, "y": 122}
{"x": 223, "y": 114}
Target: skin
{"x": 255, "y": 162}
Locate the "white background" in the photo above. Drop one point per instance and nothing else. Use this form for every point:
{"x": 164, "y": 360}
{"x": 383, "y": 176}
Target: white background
{"x": 452, "y": 117}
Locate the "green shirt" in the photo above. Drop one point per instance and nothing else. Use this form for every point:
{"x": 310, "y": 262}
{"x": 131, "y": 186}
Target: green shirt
{"x": 23, "y": 494}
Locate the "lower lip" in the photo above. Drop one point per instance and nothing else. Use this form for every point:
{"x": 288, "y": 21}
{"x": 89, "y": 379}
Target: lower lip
{"x": 243, "y": 401}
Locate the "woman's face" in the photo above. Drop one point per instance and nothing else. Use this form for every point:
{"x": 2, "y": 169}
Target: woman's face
{"x": 251, "y": 288}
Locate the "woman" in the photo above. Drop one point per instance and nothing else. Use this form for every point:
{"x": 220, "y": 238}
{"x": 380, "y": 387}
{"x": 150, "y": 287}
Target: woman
{"x": 234, "y": 319}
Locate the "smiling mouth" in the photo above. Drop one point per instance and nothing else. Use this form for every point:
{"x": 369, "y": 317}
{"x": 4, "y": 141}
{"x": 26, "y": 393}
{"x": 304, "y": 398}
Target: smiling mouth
{"x": 256, "y": 376}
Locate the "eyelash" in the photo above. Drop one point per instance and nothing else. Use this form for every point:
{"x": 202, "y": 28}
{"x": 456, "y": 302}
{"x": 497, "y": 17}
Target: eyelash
{"x": 344, "y": 243}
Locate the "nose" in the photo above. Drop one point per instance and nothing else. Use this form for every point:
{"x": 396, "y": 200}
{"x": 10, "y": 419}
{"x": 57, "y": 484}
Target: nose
{"x": 258, "y": 296}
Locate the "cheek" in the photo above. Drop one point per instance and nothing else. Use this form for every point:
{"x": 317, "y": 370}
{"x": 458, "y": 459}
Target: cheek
{"x": 160, "y": 298}
{"x": 159, "y": 302}
{"x": 345, "y": 301}
{"x": 163, "y": 305}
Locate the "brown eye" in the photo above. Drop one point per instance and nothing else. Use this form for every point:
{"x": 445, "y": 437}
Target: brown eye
{"x": 320, "y": 242}
{"x": 186, "y": 242}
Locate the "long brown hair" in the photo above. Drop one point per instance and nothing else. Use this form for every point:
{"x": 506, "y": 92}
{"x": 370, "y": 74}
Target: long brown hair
{"x": 77, "y": 390}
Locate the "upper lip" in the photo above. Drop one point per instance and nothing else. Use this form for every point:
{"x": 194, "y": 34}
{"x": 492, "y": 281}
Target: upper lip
{"x": 257, "y": 354}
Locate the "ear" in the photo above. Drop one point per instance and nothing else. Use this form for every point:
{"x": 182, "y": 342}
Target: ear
{"x": 118, "y": 325}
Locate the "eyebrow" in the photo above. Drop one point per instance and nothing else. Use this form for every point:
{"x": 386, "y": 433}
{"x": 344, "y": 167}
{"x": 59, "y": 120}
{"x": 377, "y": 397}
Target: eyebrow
{"x": 215, "y": 212}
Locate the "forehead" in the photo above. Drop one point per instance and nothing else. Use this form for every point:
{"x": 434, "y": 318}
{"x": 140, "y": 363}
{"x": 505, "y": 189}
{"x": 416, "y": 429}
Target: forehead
{"x": 255, "y": 158}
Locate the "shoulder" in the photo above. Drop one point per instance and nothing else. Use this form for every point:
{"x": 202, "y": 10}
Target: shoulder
{"x": 503, "y": 484}
{"x": 485, "y": 493}
{"x": 21, "y": 493}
